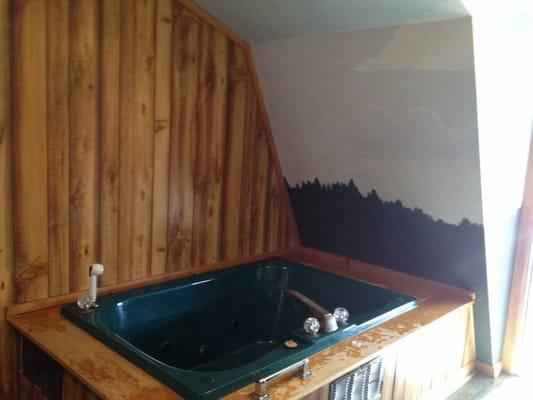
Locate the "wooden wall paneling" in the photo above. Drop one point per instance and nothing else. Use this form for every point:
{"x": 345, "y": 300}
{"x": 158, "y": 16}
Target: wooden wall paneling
{"x": 139, "y": 140}
{"x": 320, "y": 394}
{"x": 29, "y": 122}
{"x": 40, "y": 369}
{"x": 195, "y": 9}
{"x": 184, "y": 122}
{"x": 212, "y": 96}
{"x": 236, "y": 132}
{"x": 143, "y": 143}
{"x": 28, "y": 391}
{"x": 7, "y": 389}
{"x": 136, "y": 138}
{"x": 248, "y": 166}
{"x": 57, "y": 79}
{"x": 145, "y": 118}
{"x": 293, "y": 235}
{"x": 423, "y": 370}
{"x": 126, "y": 93}
{"x": 273, "y": 214}
{"x": 216, "y": 87}
{"x": 259, "y": 189}
{"x": 163, "y": 84}
{"x": 109, "y": 139}
{"x": 12, "y": 360}
{"x": 73, "y": 389}
{"x": 285, "y": 225}
{"x": 201, "y": 156}
{"x": 83, "y": 124}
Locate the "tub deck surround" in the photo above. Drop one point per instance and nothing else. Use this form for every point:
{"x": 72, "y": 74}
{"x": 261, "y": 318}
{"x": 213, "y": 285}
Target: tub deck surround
{"x": 111, "y": 376}
{"x": 209, "y": 335}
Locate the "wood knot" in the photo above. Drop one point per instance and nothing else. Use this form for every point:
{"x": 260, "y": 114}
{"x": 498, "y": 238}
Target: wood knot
{"x": 149, "y": 62}
{"x": 160, "y": 125}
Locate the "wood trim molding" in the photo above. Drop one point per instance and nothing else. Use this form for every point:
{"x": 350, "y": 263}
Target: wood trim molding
{"x": 270, "y": 137}
{"x": 454, "y": 382}
{"x": 214, "y": 22}
{"x": 521, "y": 276}
{"x": 7, "y": 380}
{"x": 422, "y": 288}
{"x": 22, "y": 308}
{"x": 492, "y": 371}
{"x": 376, "y": 275}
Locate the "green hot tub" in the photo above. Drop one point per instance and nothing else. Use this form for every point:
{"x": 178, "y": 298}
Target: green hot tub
{"x": 208, "y": 335}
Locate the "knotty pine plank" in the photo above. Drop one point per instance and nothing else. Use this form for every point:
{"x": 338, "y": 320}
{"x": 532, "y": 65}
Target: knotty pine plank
{"x": 163, "y": 84}
{"x": 136, "y": 141}
{"x": 75, "y": 390}
{"x": 7, "y": 389}
{"x": 248, "y": 174}
{"x": 216, "y": 113}
{"x": 143, "y": 140}
{"x": 117, "y": 69}
{"x": 83, "y": 112}
{"x": 57, "y": 79}
{"x": 126, "y": 142}
{"x": 184, "y": 122}
{"x": 109, "y": 139}
{"x": 28, "y": 391}
{"x": 273, "y": 214}
{"x": 293, "y": 234}
{"x": 259, "y": 190}
{"x": 233, "y": 171}
{"x": 212, "y": 97}
{"x": 29, "y": 121}
{"x": 207, "y": 18}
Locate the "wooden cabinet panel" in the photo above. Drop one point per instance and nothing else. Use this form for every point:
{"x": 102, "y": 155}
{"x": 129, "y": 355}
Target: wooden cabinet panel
{"x": 430, "y": 363}
{"x": 73, "y": 389}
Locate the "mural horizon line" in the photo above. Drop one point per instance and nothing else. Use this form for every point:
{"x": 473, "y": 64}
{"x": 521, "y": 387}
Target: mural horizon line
{"x": 338, "y": 218}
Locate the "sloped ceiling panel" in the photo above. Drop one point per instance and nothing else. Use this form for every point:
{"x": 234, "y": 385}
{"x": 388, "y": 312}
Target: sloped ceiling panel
{"x": 259, "y": 20}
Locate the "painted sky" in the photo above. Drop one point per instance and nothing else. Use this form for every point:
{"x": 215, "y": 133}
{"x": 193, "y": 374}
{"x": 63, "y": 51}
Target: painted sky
{"x": 392, "y": 108}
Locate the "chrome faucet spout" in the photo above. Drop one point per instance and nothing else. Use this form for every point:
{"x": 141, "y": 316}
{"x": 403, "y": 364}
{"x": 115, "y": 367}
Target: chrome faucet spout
{"x": 328, "y": 323}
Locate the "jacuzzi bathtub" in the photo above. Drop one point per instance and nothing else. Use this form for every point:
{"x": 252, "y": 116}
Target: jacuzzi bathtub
{"x": 208, "y": 335}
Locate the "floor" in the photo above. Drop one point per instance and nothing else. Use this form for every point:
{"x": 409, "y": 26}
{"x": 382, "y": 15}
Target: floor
{"x": 505, "y": 387}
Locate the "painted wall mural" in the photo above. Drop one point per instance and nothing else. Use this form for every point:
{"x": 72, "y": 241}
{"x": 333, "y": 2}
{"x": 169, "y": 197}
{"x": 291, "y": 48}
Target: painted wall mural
{"x": 377, "y": 134}
{"x": 339, "y": 218}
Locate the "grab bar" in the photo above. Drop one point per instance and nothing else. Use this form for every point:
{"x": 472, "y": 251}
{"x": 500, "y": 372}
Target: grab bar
{"x": 261, "y": 384}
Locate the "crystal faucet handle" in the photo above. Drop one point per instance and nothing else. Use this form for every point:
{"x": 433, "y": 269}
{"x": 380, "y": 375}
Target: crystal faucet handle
{"x": 341, "y": 314}
{"x": 311, "y": 326}
{"x": 85, "y": 304}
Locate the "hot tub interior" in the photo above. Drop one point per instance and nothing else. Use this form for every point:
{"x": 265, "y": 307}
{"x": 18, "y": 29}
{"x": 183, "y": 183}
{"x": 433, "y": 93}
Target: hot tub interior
{"x": 212, "y": 333}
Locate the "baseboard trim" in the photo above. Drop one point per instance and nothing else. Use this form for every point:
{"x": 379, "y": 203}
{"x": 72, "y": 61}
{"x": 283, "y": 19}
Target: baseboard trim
{"x": 453, "y": 383}
{"x": 492, "y": 371}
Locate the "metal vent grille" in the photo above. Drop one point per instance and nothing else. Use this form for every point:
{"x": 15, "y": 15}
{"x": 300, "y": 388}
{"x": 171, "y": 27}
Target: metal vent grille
{"x": 362, "y": 384}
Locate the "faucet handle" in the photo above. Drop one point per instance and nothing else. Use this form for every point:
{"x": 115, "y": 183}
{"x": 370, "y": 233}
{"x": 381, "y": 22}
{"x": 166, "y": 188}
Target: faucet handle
{"x": 86, "y": 304}
{"x": 341, "y": 314}
{"x": 311, "y": 326}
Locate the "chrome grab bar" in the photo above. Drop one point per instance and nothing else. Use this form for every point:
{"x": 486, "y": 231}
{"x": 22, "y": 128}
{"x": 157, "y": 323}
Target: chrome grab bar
{"x": 261, "y": 384}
